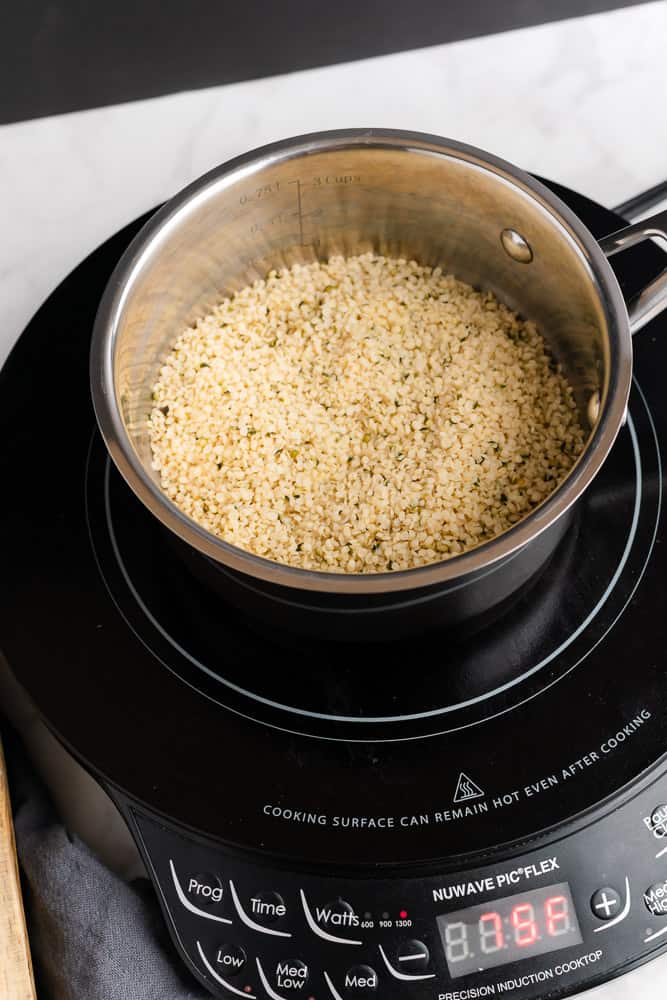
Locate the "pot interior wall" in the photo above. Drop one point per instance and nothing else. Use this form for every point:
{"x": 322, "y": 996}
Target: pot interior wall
{"x": 443, "y": 210}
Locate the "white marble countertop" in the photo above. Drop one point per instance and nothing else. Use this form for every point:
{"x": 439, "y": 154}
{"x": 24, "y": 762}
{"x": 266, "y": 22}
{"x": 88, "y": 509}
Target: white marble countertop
{"x": 581, "y": 101}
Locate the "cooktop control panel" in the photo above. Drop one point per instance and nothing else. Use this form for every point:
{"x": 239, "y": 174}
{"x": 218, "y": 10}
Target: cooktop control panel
{"x": 548, "y": 922}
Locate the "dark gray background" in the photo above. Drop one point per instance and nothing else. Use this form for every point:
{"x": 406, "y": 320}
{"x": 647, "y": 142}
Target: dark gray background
{"x": 67, "y": 55}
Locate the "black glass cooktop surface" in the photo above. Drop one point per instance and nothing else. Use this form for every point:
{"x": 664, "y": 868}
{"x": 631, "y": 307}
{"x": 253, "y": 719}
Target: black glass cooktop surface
{"x": 413, "y": 750}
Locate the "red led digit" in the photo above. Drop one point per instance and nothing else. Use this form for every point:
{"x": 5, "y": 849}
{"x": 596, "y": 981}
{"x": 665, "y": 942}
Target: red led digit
{"x": 523, "y": 922}
{"x": 491, "y": 936}
{"x": 557, "y": 913}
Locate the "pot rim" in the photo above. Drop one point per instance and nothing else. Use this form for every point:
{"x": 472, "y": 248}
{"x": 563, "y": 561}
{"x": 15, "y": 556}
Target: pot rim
{"x": 468, "y": 564}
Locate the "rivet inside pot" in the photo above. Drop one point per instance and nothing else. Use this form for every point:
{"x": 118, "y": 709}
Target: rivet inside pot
{"x": 593, "y": 408}
{"x": 516, "y": 246}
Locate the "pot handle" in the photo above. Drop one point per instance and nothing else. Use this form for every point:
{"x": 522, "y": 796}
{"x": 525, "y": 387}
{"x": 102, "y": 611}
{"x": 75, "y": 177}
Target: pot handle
{"x": 653, "y": 298}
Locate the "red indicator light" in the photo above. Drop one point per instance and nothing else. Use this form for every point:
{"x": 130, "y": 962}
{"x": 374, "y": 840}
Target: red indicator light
{"x": 403, "y": 914}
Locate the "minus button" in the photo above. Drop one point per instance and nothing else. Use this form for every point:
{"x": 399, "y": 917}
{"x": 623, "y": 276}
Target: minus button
{"x": 414, "y": 952}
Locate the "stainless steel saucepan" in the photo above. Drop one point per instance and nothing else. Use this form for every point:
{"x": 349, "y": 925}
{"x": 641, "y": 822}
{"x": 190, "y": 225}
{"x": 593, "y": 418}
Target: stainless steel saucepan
{"x": 400, "y": 194}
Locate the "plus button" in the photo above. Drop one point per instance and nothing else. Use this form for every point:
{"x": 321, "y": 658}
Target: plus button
{"x": 606, "y": 903}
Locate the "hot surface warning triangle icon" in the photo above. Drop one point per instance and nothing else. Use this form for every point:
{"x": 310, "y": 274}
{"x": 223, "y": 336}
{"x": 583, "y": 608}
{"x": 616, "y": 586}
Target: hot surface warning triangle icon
{"x": 467, "y": 789}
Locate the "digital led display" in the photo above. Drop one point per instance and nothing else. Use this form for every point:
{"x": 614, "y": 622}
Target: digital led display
{"x": 509, "y": 929}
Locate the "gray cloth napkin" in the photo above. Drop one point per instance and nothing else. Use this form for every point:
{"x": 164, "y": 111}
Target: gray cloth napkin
{"x": 93, "y": 936}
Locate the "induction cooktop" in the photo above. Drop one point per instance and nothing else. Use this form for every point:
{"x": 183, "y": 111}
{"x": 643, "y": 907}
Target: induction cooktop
{"x": 447, "y": 816}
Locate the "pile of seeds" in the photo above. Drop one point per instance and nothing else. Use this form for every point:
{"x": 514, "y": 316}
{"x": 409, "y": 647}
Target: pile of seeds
{"x": 361, "y": 415}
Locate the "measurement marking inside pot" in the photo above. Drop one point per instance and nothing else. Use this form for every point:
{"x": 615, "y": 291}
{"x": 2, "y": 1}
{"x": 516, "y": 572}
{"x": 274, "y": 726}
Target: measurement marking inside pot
{"x": 299, "y": 212}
